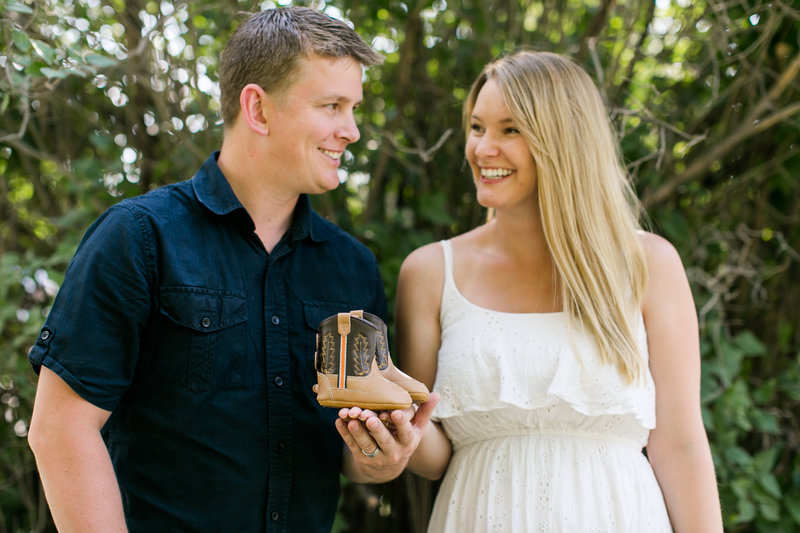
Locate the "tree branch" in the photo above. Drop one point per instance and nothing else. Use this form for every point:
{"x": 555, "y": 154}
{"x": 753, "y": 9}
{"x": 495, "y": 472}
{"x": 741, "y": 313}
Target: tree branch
{"x": 598, "y": 22}
{"x": 751, "y": 125}
{"x": 413, "y": 35}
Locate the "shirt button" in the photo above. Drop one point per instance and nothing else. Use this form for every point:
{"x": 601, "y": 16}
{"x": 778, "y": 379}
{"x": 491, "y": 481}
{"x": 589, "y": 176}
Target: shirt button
{"x": 280, "y": 447}
{"x": 274, "y": 515}
{"x": 276, "y": 320}
{"x": 278, "y": 381}
{"x": 45, "y": 335}
{"x": 205, "y": 322}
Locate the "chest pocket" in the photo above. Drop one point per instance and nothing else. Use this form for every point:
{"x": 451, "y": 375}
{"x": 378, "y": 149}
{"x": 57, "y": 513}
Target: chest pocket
{"x": 202, "y": 336}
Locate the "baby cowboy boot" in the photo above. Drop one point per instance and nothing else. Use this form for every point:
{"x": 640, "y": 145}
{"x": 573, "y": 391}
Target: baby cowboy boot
{"x": 347, "y": 371}
{"x": 418, "y": 391}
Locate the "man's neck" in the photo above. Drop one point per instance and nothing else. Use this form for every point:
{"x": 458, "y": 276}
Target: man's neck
{"x": 271, "y": 226}
{"x": 268, "y": 204}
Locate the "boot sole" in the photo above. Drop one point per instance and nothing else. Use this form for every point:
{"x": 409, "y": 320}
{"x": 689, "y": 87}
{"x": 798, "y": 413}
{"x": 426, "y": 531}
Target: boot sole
{"x": 419, "y": 397}
{"x": 373, "y": 406}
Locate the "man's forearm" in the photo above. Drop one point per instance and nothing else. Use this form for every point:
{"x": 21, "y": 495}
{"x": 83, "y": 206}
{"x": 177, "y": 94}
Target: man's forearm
{"x": 80, "y": 485}
{"x": 73, "y": 461}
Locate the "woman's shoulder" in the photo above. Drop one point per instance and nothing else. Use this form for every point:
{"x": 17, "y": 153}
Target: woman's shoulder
{"x": 424, "y": 258}
{"x": 660, "y": 253}
{"x": 432, "y": 254}
{"x": 667, "y": 280}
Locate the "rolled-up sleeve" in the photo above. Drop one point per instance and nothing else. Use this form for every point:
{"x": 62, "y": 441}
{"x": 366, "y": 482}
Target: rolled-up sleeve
{"x": 92, "y": 334}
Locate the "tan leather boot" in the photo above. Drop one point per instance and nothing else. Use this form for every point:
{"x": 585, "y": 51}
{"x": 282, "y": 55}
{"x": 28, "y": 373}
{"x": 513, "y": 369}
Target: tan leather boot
{"x": 347, "y": 372}
{"x": 418, "y": 391}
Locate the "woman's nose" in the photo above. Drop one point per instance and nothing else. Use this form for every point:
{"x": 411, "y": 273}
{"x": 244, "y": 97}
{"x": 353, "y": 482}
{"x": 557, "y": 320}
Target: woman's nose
{"x": 486, "y": 146}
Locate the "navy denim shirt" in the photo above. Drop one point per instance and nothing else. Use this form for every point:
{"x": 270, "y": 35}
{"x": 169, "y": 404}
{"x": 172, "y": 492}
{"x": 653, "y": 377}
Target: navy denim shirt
{"x": 174, "y": 317}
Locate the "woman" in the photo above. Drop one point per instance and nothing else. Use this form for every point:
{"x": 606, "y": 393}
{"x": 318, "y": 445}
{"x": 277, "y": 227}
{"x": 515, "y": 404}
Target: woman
{"x": 561, "y": 338}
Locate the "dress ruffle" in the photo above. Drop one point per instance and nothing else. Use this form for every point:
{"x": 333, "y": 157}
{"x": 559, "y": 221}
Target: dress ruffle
{"x": 530, "y": 361}
{"x": 555, "y": 371}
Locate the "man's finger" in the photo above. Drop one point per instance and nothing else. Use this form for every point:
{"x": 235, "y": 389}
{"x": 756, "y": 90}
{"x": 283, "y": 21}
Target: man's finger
{"x": 347, "y": 437}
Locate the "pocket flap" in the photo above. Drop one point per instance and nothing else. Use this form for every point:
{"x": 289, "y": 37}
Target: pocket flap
{"x": 201, "y": 309}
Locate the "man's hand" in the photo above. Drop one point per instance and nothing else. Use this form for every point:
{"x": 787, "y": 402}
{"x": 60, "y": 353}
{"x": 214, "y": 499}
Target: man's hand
{"x": 380, "y": 444}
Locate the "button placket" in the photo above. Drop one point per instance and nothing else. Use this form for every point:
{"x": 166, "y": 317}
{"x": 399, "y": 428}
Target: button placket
{"x": 279, "y": 398}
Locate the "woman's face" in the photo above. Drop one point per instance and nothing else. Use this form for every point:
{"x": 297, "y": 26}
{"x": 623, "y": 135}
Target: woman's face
{"x": 502, "y": 165}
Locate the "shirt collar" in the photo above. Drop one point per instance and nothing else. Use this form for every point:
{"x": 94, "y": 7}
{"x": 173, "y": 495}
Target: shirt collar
{"x": 214, "y": 192}
{"x": 307, "y": 222}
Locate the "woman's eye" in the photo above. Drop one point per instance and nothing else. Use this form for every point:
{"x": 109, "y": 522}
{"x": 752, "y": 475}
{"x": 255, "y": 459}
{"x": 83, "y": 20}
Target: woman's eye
{"x": 475, "y": 127}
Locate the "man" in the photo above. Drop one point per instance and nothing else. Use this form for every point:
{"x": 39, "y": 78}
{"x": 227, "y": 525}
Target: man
{"x": 176, "y": 365}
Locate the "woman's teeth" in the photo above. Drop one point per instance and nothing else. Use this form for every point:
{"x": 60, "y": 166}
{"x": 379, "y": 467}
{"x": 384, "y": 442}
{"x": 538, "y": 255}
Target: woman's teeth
{"x": 495, "y": 173}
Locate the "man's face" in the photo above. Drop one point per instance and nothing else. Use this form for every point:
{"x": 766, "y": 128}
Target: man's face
{"x": 311, "y": 123}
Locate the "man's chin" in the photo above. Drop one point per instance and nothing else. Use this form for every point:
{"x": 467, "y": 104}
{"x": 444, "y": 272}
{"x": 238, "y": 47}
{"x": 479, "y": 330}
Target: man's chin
{"x": 327, "y": 185}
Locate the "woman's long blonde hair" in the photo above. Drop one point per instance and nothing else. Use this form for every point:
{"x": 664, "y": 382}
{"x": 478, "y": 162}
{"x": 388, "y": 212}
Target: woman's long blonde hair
{"x": 589, "y": 211}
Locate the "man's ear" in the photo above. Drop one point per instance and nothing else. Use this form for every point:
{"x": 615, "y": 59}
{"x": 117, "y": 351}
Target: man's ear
{"x": 252, "y": 101}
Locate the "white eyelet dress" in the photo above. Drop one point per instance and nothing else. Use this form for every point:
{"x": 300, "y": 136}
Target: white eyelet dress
{"x": 546, "y": 438}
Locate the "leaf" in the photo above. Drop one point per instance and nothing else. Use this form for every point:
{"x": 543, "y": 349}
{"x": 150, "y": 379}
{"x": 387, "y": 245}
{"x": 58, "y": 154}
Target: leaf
{"x": 749, "y": 344}
{"x": 747, "y": 511}
{"x": 21, "y": 40}
{"x": 764, "y": 421}
{"x": 18, "y": 78}
{"x": 19, "y": 8}
{"x": 742, "y": 488}
{"x": 44, "y": 50}
{"x": 764, "y": 393}
{"x": 770, "y": 484}
{"x": 674, "y": 225}
{"x": 770, "y": 510}
{"x": 102, "y": 142}
{"x": 433, "y": 208}
{"x": 51, "y": 73}
{"x": 100, "y": 61}
{"x": 737, "y": 455}
{"x": 735, "y": 406}
{"x": 35, "y": 67}
{"x": 764, "y": 461}
{"x": 792, "y": 504}
{"x": 732, "y": 357}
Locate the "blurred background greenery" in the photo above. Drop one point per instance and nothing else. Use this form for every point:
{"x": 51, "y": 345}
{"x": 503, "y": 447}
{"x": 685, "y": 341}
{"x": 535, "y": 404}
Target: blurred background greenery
{"x": 105, "y": 99}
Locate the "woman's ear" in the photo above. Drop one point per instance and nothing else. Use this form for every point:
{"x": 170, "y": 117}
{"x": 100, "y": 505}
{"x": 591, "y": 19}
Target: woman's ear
{"x": 252, "y": 101}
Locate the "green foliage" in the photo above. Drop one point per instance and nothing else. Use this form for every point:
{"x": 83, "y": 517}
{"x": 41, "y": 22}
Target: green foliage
{"x": 102, "y": 99}
{"x": 24, "y": 280}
